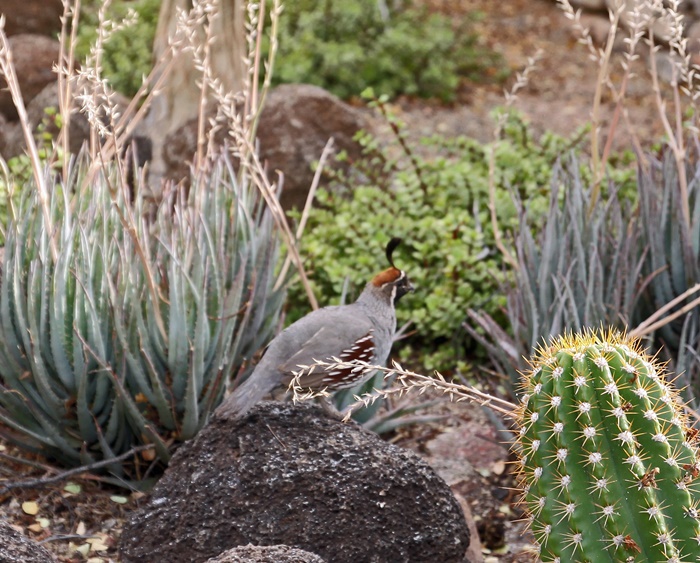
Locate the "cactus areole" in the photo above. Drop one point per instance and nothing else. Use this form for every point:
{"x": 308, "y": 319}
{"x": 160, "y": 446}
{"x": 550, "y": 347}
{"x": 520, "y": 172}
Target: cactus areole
{"x": 607, "y": 459}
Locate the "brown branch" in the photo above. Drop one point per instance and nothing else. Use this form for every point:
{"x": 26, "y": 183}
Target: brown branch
{"x": 401, "y": 138}
{"x": 43, "y": 481}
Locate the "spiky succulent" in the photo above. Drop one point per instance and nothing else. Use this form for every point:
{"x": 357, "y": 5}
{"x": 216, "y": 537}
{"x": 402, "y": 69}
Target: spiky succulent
{"x": 581, "y": 268}
{"x": 608, "y": 462}
{"x": 122, "y": 322}
{"x": 670, "y": 228}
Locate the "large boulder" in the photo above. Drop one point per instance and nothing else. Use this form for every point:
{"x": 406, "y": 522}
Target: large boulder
{"x": 12, "y": 142}
{"x": 42, "y": 17}
{"x": 34, "y": 57}
{"x": 17, "y": 548}
{"x": 290, "y": 475}
{"x": 266, "y": 554}
{"x": 295, "y": 124}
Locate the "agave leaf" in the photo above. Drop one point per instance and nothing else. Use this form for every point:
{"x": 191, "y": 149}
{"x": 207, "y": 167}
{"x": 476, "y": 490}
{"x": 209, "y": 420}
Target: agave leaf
{"x": 240, "y": 306}
{"x": 84, "y": 327}
{"x": 200, "y": 341}
{"x": 9, "y": 340}
{"x": 583, "y": 269}
{"x": 178, "y": 340}
{"x": 190, "y": 420}
{"x": 36, "y": 435}
{"x": 60, "y": 325}
{"x": 125, "y": 401}
{"x": 133, "y": 364}
{"x": 51, "y": 402}
{"x": 59, "y": 443}
{"x": 86, "y": 422}
{"x": 116, "y": 436}
{"x": 212, "y": 301}
{"x": 115, "y": 468}
{"x": 154, "y": 368}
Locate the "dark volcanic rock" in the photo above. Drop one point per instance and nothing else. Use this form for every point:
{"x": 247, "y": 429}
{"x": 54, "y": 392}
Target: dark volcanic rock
{"x": 288, "y": 475}
{"x": 16, "y": 548}
{"x": 268, "y": 554}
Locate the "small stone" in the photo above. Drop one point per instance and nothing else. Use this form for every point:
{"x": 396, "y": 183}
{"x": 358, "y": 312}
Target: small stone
{"x": 266, "y": 554}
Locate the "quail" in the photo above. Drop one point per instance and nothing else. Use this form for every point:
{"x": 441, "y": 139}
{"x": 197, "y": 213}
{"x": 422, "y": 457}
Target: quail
{"x": 363, "y": 330}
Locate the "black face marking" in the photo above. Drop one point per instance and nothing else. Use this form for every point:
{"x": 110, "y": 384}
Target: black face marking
{"x": 401, "y": 287}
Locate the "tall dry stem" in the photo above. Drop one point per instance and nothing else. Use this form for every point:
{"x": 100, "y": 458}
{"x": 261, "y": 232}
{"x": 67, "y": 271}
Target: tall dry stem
{"x": 7, "y": 69}
{"x": 521, "y": 81}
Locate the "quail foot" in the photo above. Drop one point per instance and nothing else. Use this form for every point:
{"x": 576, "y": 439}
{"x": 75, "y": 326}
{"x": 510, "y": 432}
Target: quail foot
{"x": 363, "y": 330}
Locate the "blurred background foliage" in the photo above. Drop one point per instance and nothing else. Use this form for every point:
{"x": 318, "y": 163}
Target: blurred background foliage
{"x": 343, "y": 46}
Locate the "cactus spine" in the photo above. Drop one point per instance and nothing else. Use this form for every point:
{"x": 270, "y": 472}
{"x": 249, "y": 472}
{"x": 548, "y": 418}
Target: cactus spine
{"x": 608, "y": 463}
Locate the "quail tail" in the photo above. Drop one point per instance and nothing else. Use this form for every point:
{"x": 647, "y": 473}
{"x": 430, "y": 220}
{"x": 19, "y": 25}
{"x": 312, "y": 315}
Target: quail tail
{"x": 248, "y": 394}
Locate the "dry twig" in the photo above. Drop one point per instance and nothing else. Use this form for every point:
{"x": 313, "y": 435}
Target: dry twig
{"x": 63, "y": 475}
{"x": 405, "y": 381}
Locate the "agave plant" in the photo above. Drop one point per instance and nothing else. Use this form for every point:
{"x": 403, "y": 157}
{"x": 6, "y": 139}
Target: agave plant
{"x": 121, "y": 321}
{"x": 583, "y": 267}
{"x": 674, "y": 251}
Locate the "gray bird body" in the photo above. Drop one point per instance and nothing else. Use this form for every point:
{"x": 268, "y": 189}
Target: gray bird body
{"x": 367, "y": 325}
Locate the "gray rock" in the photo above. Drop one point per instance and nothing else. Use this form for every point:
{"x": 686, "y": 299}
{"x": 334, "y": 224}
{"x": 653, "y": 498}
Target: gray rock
{"x": 17, "y": 548}
{"x": 269, "y": 554}
{"x": 33, "y": 57}
{"x": 692, "y": 32}
{"x": 288, "y": 475}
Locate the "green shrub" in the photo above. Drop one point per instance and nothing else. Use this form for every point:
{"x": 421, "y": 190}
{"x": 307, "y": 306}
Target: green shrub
{"x": 439, "y": 207}
{"x": 347, "y": 45}
{"x": 130, "y": 331}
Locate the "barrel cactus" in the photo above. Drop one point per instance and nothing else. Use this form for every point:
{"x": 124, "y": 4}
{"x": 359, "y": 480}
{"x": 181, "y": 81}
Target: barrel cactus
{"x": 608, "y": 462}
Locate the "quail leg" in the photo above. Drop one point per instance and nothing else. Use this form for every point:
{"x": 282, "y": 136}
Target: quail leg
{"x": 329, "y": 409}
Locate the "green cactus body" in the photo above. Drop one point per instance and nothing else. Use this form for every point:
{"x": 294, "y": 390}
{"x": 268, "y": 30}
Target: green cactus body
{"x": 608, "y": 463}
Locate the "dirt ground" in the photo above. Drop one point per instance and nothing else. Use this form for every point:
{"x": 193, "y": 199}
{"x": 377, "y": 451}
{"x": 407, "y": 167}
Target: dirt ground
{"x": 559, "y": 95}
{"x": 83, "y": 521}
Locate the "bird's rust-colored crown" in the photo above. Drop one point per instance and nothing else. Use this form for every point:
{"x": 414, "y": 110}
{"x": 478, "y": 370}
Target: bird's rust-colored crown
{"x": 387, "y": 276}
